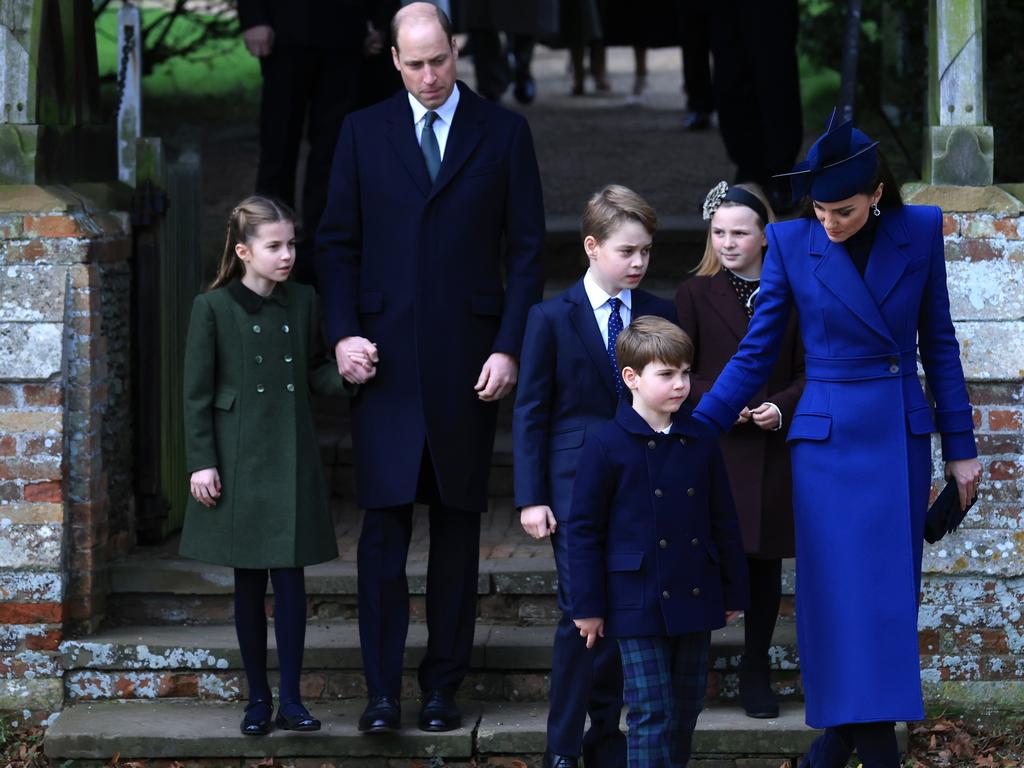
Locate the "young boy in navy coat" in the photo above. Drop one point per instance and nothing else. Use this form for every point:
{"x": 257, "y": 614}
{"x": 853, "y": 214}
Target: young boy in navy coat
{"x": 568, "y": 380}
{"x": 655, "y": 554}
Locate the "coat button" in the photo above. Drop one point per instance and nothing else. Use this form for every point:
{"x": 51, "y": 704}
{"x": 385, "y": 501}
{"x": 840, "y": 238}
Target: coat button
{"x": 894, "y": 369}
{"x": 651, "y": 444}
{"x": 694, "y": 542}
{"x": 666, "y": 595}
{"x": 258, "y": 359}
{"x": 256, "y": 329}
{"x": 287, "y": 358}
{"x": 285, "y": 328}
{"x": 696, "y": 592}
{"x": 663, "y": 543}
{"x": 259, "y": 388}
{"x": 658, "y": 493}
{"x": 290, "y": 387}
{"x": 691, "y": 492}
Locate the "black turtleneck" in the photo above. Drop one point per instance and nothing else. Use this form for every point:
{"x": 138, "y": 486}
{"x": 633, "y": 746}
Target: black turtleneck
{"x": 858, "y": 245}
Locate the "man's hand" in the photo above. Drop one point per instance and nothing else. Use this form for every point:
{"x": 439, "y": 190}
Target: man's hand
{"x": 767, "y": 416}
{"x": 967, "y": 473}
{"x": 205, "y": 486}
{"x": 590, "y": 629}
{"x": 259, "y": 40}
{"x": 373, "y": 43}
{"x": 357, "y": 359}
{"x": 497, "y": 377}
{"x": 538, "y": 520}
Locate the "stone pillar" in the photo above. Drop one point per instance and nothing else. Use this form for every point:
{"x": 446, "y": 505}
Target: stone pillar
{"x": 958, "y": 146}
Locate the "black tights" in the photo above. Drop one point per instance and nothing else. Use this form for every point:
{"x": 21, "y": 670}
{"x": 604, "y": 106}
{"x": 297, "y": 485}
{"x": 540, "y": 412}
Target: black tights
{"x": 759, "y": 619}
{"x": 875, "y": 744}
{"x": 289, "y": 629}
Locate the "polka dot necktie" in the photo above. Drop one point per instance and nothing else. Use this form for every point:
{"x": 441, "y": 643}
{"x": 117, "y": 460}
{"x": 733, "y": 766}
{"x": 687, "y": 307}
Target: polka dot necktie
{"x": 429, "y": 146}
{"x": 614, "y": 328}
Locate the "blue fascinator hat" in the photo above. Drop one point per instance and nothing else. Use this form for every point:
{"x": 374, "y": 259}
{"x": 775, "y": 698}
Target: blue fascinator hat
{"x": 840, "y": 164}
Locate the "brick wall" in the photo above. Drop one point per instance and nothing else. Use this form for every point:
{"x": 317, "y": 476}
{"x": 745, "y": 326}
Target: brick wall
{"x": 65, "y": 429}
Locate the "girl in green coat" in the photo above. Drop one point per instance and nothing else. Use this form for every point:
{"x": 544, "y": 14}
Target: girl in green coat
{"x": 259, "y": 501}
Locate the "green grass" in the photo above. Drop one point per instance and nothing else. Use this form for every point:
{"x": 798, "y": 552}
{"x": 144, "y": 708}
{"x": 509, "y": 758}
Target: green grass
{"x": 819, "y": 92}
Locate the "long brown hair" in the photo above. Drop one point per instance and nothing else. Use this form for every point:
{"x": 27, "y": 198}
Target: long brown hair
{"x": 710, "y": 264}
{"x": 242, "y": 224}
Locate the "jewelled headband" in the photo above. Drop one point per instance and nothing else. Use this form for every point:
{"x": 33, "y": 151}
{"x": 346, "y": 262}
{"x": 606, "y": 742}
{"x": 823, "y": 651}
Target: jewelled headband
{"x": 722, "y": 192}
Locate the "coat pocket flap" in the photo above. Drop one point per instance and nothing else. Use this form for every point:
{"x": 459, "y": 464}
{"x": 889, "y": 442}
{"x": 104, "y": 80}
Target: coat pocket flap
{"x": 625, "y": 561}
{"x": 921, "y": 421}
{"x": 371, "y": 301}
{"x": 224, "y": 400}
{"x": 487, "y": 303}
{"x": 810, "y": 426}
{"x": 572, "y": 438}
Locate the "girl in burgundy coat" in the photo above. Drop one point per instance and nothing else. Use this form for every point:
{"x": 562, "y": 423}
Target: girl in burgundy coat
{"x": 714, "y": 308}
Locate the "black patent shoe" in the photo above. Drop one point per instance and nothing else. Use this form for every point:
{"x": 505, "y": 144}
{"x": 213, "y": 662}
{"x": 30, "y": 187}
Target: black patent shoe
{"x": 296, "y": 719}
{"x": 697, "y": 121}
{"x": 551, "y": 760}
{"x": 439, "y": 713}
{"x": 757, "y": 696}
{"x": 256, "y": 721}
{"x": 382, "y": 714}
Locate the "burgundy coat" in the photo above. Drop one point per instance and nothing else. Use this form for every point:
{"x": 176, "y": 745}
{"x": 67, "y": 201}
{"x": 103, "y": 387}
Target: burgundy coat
{"x": 757, "y": 461}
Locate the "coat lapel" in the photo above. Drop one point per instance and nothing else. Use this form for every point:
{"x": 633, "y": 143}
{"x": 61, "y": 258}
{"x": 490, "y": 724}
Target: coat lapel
{"x": 582, "y": 318}
{"x": 723, "y": 300}
{"x": 402, "y": 135}
{"x": 835, "y": 269}
{"x": 889, "y": 257}
{"x": 466, "y": 131}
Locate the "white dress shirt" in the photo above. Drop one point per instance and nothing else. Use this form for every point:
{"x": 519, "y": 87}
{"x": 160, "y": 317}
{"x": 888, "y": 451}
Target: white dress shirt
{"x": 443, "y": 123}
{"x": 602, "y": 309}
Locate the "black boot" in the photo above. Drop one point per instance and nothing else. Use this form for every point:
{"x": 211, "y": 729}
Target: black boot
{"x": 756, "y": 693}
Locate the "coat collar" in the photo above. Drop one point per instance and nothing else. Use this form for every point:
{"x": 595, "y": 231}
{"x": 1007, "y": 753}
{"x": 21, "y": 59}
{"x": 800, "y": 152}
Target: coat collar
{"x": 632, "y": 422}
{"x": 251, "y": 301}
{"x": 722, "y": 298}
{"x": 582, "y": 318}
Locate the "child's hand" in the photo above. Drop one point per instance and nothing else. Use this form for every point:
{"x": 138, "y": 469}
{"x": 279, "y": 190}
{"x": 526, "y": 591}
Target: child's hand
{"x": 205, "y": 485}
{"x": 538, "y": 520}
{"x": 590, "y": 629}
{"x": 767, "y": 416}
{"x": 744, "y": 416}
{"x": 357, "y": 359}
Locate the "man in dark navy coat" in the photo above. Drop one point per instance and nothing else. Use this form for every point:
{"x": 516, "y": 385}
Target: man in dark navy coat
{"x": 430, "y": 192}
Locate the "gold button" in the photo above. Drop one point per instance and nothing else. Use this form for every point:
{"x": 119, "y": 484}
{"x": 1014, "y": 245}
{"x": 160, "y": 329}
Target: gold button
{"x": 696, "y": 592}
{"x": 663, "y": 544}
{"x": 255, "y": 329}
{"x": 651, "y": 444}
{"x": 666, "y": 594}
{"x": 287, "y": 358}
{"x": 691, "y": 492}
{"x": 259, "y": 388}
{"x": 658, "y": 493}
{"x": 290, "y": 387}
{"x": 695, "y": 542}
{"x": 285, "y": 328}
{"x": 258, "y": 359}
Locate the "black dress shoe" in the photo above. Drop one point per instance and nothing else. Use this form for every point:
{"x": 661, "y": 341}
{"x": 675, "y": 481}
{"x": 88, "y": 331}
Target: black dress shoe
{"x": 551, "y": 760}
{"x": 292, "y": 716}
{"x": 697, "y": 121}
{"x": 382, "y": 714}
{"x": 525, "y": 89}
{"x": 439, "y": 712}
{"x": 256, "y": 721}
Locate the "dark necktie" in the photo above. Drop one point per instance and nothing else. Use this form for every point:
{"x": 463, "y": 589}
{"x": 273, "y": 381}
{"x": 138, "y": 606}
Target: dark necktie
{"x": 614, "y": 328}
{"x": 429, "y": 146}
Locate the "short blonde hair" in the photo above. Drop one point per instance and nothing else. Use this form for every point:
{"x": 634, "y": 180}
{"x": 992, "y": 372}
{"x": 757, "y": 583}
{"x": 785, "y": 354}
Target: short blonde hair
{"x": 610, "y": 208}
{"x": 651, "y": 338}
{"x": 709, "y": 263}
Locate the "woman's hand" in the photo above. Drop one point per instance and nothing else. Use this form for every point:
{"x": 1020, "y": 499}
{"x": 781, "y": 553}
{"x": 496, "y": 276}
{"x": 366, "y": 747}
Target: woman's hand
{"x": 967, "y": 473}
{"x": 205, "y": 485}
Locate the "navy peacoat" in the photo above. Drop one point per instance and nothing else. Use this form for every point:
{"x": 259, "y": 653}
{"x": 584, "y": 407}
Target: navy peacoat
{"x": 417, "y": 268}
{"x": 860, "y": 446}
{"x": 654, "y": 544}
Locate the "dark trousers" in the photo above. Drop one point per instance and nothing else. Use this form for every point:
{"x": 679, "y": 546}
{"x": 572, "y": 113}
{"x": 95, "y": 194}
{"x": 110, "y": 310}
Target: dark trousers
{"x": 300, "y": 82}
{"x": 695, "y": 33}
{"x": 452, "y": 570}
{"x": 490, "y": 61}
{"x": 757, "y": 88}
{"x": 289, "y": 629}
{"x": 665, "y": 682}
{"x": 583, "y": 681}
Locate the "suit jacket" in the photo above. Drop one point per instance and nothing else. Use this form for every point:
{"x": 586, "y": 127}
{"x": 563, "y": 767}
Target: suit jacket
{"x": 654, "y": 545}
{"x": 758, "y": 461}
{"x": 860, "y": 444}
{"x": 417, "y": 268}
{"x": 566, "y": 383}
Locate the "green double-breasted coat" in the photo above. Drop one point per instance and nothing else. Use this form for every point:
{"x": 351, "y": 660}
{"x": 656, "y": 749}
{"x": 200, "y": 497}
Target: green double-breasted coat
{"x": 250, "y": 363}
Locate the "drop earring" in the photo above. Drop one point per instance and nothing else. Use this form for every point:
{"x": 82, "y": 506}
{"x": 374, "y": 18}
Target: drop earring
{"x": 875, "y": 210}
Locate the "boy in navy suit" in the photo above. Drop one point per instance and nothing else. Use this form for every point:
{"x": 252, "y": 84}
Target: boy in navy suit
{"x": 569, "y": 380}
{"x": 655, "y": 554}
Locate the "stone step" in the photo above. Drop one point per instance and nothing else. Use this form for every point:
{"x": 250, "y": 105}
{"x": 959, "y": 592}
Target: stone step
{"x": 187, "y": 730}
{"x": 508, "y": 662}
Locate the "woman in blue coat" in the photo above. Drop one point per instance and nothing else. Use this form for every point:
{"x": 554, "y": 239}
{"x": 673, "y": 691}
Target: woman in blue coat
{"x": 867, "y": 276}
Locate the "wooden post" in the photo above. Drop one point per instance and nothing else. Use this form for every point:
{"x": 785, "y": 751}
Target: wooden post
{"x": 129, "y": 78}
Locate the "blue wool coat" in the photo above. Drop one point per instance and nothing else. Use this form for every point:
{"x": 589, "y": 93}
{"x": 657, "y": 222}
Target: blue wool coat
{"x": 654, "y": 543}
{"x": 860, "y": 447}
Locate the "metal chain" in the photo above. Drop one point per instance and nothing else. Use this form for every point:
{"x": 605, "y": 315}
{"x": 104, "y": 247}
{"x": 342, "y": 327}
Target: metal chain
{"x": 122, "y": 73}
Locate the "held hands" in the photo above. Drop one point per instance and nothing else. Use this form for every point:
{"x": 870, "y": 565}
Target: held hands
{"x": 205, "y": 486}
{"x": 259, "y": 40}
{"x": 538, "y": 520}
{"x": 967, "y": 473}
{"x": 497, "y": 377}
{"x": 357, "y": 359}
{"x": 766, "y": 416}
{"x": 590, "y": 629}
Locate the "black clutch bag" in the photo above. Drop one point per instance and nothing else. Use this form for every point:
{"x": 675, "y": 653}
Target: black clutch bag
{"x": 944, "y": 515}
